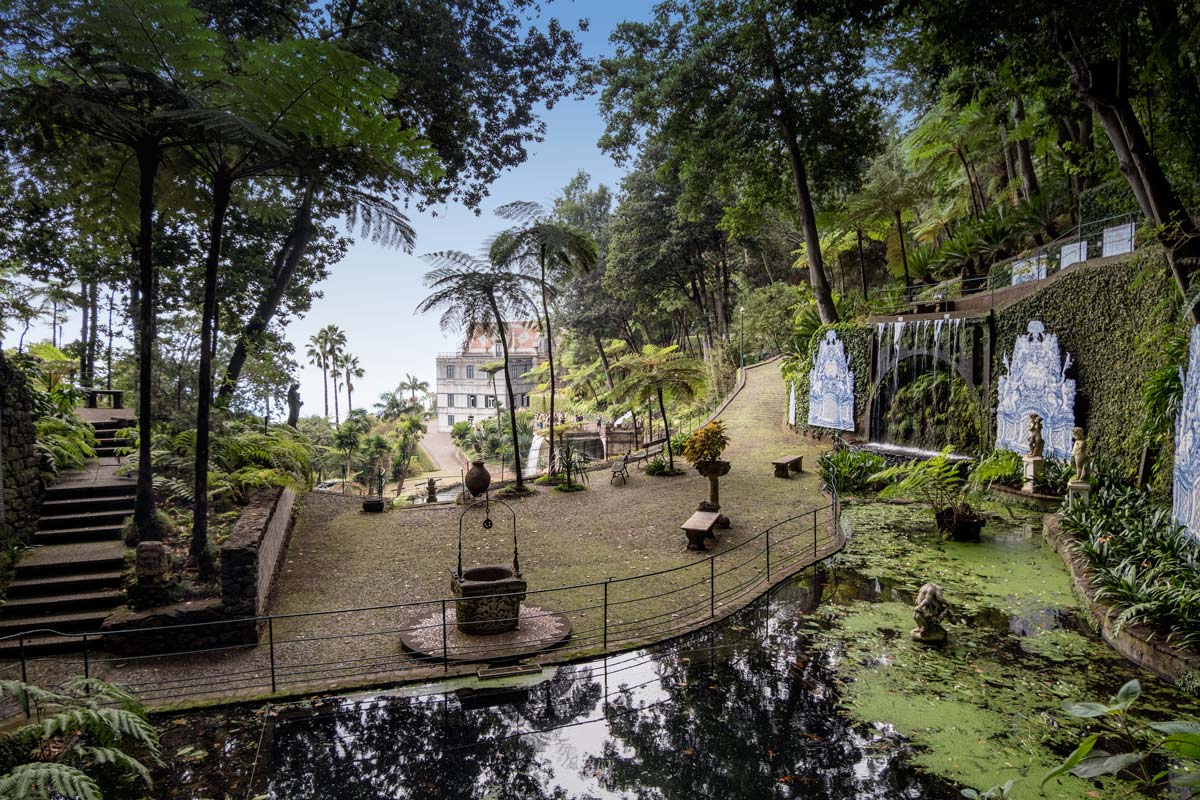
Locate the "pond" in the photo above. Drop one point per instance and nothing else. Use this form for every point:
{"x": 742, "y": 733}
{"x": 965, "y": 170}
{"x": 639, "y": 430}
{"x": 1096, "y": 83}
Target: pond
{"x": 814, "y": 692}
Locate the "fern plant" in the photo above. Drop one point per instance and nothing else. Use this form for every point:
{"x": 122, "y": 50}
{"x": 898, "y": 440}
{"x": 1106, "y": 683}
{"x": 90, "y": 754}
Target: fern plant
{"x": 90, "y": 734}
{"x": 67, "y": 442}
{"x": 939, "y": 483}
{"x": 1001, "y": 466}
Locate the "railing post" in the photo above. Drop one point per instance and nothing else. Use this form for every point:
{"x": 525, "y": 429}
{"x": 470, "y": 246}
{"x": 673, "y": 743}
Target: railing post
{"x": 271, "y": 649}
{"x": 606, "y": 613}
{"x": 814, "y": 527}
{"x": 712, "y": 586}
{"x": 86, "y": 672}
{"x": 768, "y": 555}
{"x": 445, "y": 647}
{"x": 24, "y": 674}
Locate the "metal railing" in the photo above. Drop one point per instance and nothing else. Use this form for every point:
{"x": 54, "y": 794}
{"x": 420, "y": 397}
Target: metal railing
{"x": 901, "y": 299}
{"x": 322, "y": 650}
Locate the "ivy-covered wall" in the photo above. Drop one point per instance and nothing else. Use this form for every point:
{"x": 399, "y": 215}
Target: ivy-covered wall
{"x": 22, "y": 487}
{"x": 857, "y": 339}
{"x": 1105, "y": 316}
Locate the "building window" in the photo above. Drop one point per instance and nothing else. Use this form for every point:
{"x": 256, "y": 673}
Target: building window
{"x": 450, "y": 419}
{"x": 449, "y": 401}
{"x": 470, "y": 371}
{"x": 472, "y": 399}
{"x": 450, "y": 371}
{"x": 525, "y": 400}
{"x": 489, "y": 401}
{"x": 471, "y": 420}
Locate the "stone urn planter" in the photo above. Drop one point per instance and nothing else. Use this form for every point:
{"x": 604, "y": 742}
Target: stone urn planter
{"x": 714, "y": 471}
{"x": 488, "y": 598}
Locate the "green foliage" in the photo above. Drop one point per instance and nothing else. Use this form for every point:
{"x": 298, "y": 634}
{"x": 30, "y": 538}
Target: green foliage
{"x": 67, "y": 442}
{"x": 241, "y": 462}
{"x": 707, "y": 443}
{"x": 995, "y": 793}
{"x": 1109, "y": 199}
{"x": 848, "y": 471}
{"x": 572, "y": 465}
{"x": 937, "y": 481}
{"x": 1139, "y": 745}
{"x": 935, "y": 408}
{"x": 1000, "y": 466}
{"x": 87, "y": 742}
{"x": 1144, "y": 564}
{"x": 656, "y": 466}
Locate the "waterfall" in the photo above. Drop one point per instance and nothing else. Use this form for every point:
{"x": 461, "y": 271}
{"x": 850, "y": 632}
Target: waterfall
{"x": 532, "y": 469}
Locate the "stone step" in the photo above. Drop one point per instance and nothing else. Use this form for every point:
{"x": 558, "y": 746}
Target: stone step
{"x": 90, "y": 533}
{"x": 113, "y": 424}
{"x": 46, "y": 585}
{"x": 69, "y": 490}
{"x": 67, "y": 622}
{"x": 62, "y": 603}
{"x": 66, "y": 559}
{"x": 41, "y": 644}
{"x": 97, "y": 519}
{"x": 87, "y": 505}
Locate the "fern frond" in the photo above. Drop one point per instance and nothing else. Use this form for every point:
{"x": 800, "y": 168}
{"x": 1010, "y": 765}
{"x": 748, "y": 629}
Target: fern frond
{"x": 48, "y": 781}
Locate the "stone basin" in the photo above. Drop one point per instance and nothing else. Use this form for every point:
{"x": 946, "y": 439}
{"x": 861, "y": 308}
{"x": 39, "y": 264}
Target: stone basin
{"x": 479, "y": 611}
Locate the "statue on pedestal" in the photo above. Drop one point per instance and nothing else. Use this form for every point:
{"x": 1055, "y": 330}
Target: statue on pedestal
{"x": 1079, "y": 488}
{"x": 1034, "y": 462}
{"x": 1037, "y": 445}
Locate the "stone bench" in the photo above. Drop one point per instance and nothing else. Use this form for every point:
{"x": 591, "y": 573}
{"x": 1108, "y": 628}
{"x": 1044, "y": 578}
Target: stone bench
{"x": 92, "y": 396}
{"x": 700, "y": 527}
{"x": 786, "y": 465}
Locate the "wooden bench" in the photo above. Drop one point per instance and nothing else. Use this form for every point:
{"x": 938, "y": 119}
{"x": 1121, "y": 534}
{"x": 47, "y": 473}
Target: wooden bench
{"x": 786, "y": 465}
{"x": 651, "y": 450}
{"x": 620, "y": 469}
{"x": 92, "y": 396}
{"x": 700, "y": 527}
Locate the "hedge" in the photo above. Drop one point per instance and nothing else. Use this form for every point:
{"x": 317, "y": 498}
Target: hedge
{"x": 857, "y": 340}
{"x": 1103, "y": 315}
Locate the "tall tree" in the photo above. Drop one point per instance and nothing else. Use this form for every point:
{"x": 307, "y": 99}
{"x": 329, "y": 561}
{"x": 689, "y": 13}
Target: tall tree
{"x": 732, "y": 85}
{"x": 550, "y": 251}
{"x": 478, "y": 296}
{"x": 352, "y": 370}
{"x": 315, "y": 350}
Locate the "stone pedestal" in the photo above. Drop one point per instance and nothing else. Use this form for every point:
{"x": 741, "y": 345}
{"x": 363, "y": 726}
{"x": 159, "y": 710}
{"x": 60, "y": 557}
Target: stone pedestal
{"x": 1078, "y": 492}
{"x": 1033, "y": 466}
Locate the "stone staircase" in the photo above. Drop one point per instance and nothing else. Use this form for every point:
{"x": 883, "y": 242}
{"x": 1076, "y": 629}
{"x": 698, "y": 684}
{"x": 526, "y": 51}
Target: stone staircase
{"x": 71, "y": 579}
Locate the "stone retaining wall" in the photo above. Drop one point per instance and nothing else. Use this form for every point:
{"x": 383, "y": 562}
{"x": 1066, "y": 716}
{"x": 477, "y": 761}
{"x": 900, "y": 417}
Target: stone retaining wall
{"x": 250, "y": 559}
{"x": 1135, "y": 642}
{"x": 22, "y": 487}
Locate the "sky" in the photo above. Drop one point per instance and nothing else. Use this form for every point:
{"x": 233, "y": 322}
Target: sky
{"x": 373, "y": 292}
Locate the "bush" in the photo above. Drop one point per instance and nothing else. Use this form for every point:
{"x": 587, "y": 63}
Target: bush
{"x": 1144, "y": 564}
{"x": 707, "y": 443}
{"x": 847, "y": 471}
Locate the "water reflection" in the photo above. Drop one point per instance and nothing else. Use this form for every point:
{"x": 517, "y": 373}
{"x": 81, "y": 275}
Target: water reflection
{"x": 747, "y": 709}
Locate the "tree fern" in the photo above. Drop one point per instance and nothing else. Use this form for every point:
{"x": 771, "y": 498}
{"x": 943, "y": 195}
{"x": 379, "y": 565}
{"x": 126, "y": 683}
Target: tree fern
{"x": 51, "y": 780}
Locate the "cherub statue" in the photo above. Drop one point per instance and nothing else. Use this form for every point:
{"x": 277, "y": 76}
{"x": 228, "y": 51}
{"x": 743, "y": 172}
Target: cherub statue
{"x": 1037, "y": 445}
{"x": 1080, "y": 462}
{"x": 929, "y": 612}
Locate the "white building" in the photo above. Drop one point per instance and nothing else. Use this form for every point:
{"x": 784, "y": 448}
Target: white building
{"x": 464, "y": 390}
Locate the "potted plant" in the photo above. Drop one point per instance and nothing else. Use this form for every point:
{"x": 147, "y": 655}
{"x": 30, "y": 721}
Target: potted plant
{"x": 938, "y": 482}
{"x": 703, "y": 450}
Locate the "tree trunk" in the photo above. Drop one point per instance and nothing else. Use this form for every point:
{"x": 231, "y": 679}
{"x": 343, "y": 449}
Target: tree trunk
{"x": 84, "y": 319}
{"x": 603, "y": 360}
{"x": 349, "y": 395}
{"x": 808, "y": 217}
{"x": 109, "y": 333}
{"x": 862, "y": 266}
{"x": 512, "y": 400}
{"x": 337, "y": 414}
{"x": 550, "y": 466}
{"x": 325, "y": 386}
{"x": 1029, "y": 181}
{"x": 903, "y": 251}
{"x": 94, "y": 332}
{"x": 662, "y": 409}
{"x": 286, "y": 261}
{"x": 222, "y": 187}
{"x": 1099, "y": 86}
{"x": 148, "y": 159}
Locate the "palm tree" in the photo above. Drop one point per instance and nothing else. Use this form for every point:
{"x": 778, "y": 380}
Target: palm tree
{"x": 394, "y": 405}
{"x": 490, "y": 369}
{"x": 315, "y": 350}
{"x": 353, "y": 370}
{"x": 478, "y": 296}
{"x": 333, "y": 344}
{"x": 655, "y": 372}
{"x": 551, "y": 251}
{"x": 413, "y": 385}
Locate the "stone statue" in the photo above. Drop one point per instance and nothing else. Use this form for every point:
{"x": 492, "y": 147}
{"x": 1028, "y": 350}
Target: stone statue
{"x": 1037, "y": 445}
{"x": 1079, "y": 456}
{"x": 293, "y": 399}
{"x": 929, "y": 612}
